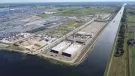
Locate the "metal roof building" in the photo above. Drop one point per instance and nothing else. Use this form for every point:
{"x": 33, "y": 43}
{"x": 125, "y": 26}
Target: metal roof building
{"x": 60, "y": 47}
{"x": 72, "y": 50}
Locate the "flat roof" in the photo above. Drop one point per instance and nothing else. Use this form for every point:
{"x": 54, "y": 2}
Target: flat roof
{"x": 73, "y": 48}
{"x": 61, "y": 46}
{"x": 84, "y": 33}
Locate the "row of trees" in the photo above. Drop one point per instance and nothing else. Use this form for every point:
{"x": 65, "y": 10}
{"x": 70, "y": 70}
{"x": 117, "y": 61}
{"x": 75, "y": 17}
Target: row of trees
{"x": 121, "y": 36}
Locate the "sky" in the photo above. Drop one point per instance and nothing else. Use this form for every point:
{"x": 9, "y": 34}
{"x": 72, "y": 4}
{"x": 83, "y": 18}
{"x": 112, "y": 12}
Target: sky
{"x": 18, "y": 1}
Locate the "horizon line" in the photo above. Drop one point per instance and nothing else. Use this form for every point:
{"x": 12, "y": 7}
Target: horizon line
{"x": 67, "y": 2}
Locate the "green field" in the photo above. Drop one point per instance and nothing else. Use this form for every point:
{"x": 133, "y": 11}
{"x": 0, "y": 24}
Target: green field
{"x": 79, "y": 11}
{"x": 61, "y": 30}
{"x": 14, "y": 47}
{"x": 133, "y": 60}
{"x": 131, "y": 15}
{"x": 131, "y": 18}
{"x": 71, "y": 24}
{"x": 130, "y": 35}
{"x": 84, "y": 11}
{"x": 131, "y": 22}
{"x": 44, "y": 15}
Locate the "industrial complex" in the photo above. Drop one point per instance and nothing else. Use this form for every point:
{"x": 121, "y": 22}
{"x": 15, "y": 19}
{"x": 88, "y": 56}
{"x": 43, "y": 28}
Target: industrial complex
{"x": 71, "y": 47}
{"x": 54, "y": 35}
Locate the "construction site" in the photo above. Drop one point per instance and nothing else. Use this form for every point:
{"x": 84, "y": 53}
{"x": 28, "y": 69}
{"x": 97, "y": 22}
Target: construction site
{"x": 32, "y": 44}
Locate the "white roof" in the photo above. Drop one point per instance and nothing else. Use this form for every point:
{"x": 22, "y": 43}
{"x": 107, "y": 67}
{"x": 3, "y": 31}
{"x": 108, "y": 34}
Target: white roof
{"x": 81, "y": 32}
{"x": 61, "y": 46}
{"x": 73, "y": 48}
{"x": 84, "y": 33}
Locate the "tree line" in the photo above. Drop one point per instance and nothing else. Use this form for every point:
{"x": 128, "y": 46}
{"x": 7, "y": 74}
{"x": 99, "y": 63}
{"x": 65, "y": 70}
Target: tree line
{"x": 121, "y": 36}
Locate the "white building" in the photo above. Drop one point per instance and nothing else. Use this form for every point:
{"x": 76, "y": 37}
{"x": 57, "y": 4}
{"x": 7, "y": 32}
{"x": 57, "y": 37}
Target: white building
{"x": 60, "y": 47}
{"x": 49, "y": 12}
{"x": 72, "y": 50}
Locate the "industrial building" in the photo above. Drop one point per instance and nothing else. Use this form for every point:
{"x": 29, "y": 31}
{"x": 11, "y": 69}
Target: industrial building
{"x": 60, "y": 47}
{"x": 12, "y": 37}
{"x": 80, "y": 37}
{"x": 72, "y": 45}
{"x": 72, "y": 50}
{"x": 33, "y": 44}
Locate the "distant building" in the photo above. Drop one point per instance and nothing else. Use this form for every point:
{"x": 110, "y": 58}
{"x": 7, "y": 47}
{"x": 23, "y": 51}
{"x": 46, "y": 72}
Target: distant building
{"x": 49, "y": 12}
{"x": 132, "y": 43}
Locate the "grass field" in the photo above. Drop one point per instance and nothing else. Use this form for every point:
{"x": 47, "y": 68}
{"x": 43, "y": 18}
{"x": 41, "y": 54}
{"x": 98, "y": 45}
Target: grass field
{"x": 14, "y": 47}
{"x": 84, "y": 11}
{"x": 118, "y": 67}
{"x": 131, "y": 22}
{"x": 72, "y": 24}
{"x": 131, "y": 36}
{"x": 61, "y": 30}
{"x": 45, "y": 15}
{"x": 133, "y": 60}
{"x": 131, "y": 18}
{"x": 131, "y": 15}
{"x": 79, "y": 12}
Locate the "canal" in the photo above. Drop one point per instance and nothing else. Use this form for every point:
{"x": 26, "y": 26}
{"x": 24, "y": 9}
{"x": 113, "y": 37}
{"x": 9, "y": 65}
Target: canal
{"x": 14, "y": 64}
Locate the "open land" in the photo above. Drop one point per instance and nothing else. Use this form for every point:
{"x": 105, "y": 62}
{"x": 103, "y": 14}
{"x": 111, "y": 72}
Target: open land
{"x": 131, "y": 35}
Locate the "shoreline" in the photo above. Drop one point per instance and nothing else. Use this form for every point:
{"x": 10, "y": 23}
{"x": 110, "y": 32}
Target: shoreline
{"x": 76, "y": 61}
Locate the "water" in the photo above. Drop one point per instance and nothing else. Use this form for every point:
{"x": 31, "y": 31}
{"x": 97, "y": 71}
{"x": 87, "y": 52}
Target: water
{"x": 13, "y": 64}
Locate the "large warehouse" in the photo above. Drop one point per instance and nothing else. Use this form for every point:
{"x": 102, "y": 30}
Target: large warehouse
{"x": 72, "y": 50}
{"x": 60, "y": 47}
